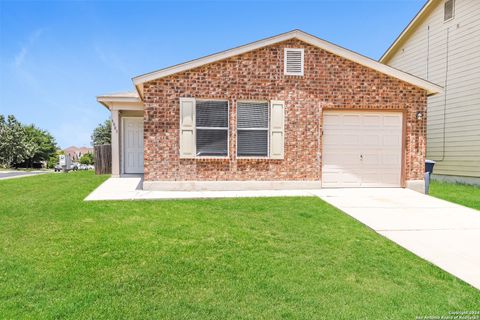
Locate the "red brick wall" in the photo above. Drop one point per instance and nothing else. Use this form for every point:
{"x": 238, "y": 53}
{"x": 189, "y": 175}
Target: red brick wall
{"x": 329, "y": 81}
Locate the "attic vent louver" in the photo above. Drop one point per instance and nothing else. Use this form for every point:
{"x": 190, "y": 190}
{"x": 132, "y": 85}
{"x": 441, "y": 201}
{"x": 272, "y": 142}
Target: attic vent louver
{"x": 293, "y": 62}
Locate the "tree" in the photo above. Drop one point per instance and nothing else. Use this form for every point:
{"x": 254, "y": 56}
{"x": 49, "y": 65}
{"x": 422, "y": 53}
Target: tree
{"x": 15, "y": 146}
{"x": 23, "y": 145}
{"x": 102, "y": 133}
{"x": 87, "y": 159}
{"x": 44, "y": 145}
{"x": 53, "y": 160}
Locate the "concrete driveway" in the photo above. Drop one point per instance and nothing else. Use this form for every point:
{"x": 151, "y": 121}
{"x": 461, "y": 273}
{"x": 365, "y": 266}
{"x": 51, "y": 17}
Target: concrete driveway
{"x": 444, "y": 233}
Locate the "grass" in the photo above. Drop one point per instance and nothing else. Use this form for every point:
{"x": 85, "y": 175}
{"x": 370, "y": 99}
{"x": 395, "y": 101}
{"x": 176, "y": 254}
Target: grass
{"x": 268, "y": 258}
{"x": 463, "y": 194}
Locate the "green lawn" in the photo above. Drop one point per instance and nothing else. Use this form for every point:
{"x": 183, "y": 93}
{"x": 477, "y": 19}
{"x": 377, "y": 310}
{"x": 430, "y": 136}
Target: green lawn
{"x": 293, "y": 258}
{"x": 466, "y": 195}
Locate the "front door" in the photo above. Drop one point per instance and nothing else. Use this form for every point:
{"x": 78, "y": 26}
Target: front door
{"x": 362, "y": 149}
{"x": 133, "y": 145}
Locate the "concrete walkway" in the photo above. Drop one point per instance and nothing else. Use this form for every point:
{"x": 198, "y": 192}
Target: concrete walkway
{"x": 446, "y": 234}
{"x": 129, "y": 188}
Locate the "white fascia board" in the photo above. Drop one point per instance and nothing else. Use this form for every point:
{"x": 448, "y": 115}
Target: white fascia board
{"x": 109, "y": 102}
{"x": 430, "y": 87}
{"x": 393, "y": 47}
{"x": 212, "y": 58}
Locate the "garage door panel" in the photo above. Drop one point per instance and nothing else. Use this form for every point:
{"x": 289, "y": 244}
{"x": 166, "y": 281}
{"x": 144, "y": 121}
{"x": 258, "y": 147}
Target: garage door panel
{"x": 347, "y": 178}
{"x": 362, "y": 149}
{"x": 332, "y": 119}
{"x": 340, "y": 159}
{"x": 392, "y": 121}
{"x": 352, "y": 119}
{"x": 371, "y": 140}
{"x": 372, "y": 120}
{"x": 370, "y": 159}
{"x": 337, "y": 138}
{"x": 392, "y": 140}
{"x": 391, "y": 160}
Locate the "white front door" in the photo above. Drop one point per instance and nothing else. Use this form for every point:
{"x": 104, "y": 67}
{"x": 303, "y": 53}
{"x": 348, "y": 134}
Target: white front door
{"x": 362, "y": 149}
{"x": 133, "y": 145}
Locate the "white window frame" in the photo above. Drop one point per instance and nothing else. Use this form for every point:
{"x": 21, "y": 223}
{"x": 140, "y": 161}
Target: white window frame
{"x": 253, "y": 129}
{"x": 453, "y": 11}
{"x": 213, "y": 128}
{"x": 285, "y": 72}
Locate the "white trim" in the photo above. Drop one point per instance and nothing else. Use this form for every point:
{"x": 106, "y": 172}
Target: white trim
{"x": 302, "y": 64}
{"x": 430, "y": 87}
{"x": 126, "y": 102}
{"x": 127, "y": 107}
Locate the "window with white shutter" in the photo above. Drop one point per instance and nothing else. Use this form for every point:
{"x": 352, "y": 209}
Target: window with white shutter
{"x": 211, "y": 119}
{"x": 293, "y": 62}
{"x": 252, "y": 129}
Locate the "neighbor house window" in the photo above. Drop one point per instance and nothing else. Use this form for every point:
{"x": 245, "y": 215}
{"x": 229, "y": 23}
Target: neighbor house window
{"x": 449, "y": 9}
{"x": 211, "y": 122}
{"x": 252, "y": 129}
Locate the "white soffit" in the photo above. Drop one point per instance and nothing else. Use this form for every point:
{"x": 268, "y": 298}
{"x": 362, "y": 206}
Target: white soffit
{"x": 130, "y": 97}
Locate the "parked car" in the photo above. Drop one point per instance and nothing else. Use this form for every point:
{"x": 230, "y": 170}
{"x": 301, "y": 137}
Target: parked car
{"x": 57, "y": 168}
{"x": 74, "y": 166}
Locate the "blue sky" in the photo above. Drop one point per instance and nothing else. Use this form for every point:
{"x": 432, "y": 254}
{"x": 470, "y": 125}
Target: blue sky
{"x": 56, "y": 57}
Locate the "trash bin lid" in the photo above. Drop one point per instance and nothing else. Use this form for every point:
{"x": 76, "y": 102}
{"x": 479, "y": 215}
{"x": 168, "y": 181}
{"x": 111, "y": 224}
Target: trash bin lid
{"x": 429, "y": 161}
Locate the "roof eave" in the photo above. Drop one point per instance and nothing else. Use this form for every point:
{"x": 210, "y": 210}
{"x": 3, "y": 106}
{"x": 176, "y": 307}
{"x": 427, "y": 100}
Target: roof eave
{"x": 107, "y": 101}
{"x": 431, "y": 88}
{"x": 412, "y": 24}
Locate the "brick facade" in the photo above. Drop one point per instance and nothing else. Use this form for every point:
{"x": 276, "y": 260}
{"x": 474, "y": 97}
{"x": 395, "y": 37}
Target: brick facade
{"x": 329, "y": 81}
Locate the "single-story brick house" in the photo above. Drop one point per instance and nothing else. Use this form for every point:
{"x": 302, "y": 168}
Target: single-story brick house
{"x": 290, "y": 111}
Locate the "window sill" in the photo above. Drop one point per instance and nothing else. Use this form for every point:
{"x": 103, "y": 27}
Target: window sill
{"x": 212, "y": 158}
{"x": 254, "y": 158}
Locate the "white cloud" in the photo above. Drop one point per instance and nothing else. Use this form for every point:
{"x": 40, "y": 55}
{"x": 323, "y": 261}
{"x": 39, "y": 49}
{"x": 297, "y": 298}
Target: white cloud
{"x": 20, "y": 57}
{"x": 111, "y": 59}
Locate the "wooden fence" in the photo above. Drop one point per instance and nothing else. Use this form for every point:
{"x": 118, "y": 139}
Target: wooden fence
{"x": 103, "y": 159}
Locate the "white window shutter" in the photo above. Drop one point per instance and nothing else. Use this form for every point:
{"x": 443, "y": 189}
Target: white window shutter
{"x": 277, "y": 132}
{"x": 187, "y": 128}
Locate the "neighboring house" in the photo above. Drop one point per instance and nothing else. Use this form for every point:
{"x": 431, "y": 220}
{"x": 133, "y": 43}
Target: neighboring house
{"x": 290, "y": 111}
{"x": 442, "y": 44}
{"x": 76, "y": 153}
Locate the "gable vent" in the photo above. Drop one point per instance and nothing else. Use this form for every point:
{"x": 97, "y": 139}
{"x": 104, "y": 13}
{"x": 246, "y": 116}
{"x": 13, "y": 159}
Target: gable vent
{"x": 293, "y": 62}
{"x": 448, "y": 10}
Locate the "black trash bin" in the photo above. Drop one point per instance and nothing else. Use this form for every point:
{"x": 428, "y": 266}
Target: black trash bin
{"x": 429, "y": 164}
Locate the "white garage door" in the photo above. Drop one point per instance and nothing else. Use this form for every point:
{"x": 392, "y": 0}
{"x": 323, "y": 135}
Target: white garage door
{"x": 133, "y": 145}
{"x": 362, "y": 149}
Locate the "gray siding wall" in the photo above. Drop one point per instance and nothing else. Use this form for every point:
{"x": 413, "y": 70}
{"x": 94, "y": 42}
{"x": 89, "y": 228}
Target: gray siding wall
{"x": 453, "y": 121}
